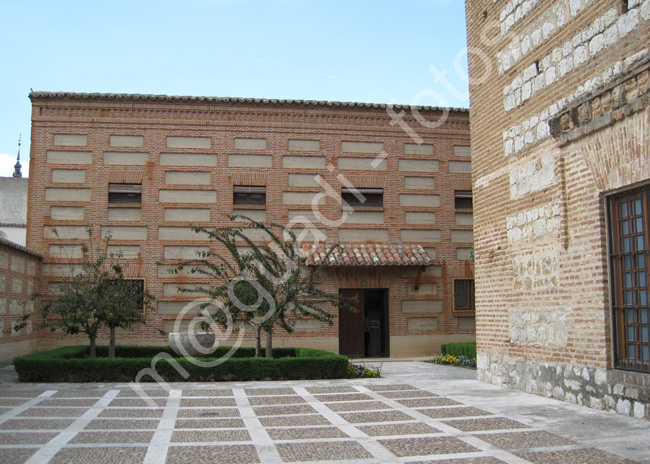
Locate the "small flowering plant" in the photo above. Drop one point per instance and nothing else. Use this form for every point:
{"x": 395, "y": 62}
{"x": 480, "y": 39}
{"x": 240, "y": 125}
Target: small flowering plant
{"x": 359, "y": 371}
{"x": 451, "y": 360}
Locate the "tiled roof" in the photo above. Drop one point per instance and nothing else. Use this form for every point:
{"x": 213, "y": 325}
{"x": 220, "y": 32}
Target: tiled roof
{"x": 248, "y": 101}
{"x": 367, "y": 255}
{"x": 15, "y": 246}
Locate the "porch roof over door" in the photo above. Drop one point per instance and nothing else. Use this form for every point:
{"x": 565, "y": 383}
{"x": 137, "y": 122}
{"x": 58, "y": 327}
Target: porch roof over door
{"x": 367, "y": 255}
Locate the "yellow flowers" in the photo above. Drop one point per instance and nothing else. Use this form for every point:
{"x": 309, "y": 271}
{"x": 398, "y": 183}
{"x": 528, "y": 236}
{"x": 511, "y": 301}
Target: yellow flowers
{"x": 454, "y": 360}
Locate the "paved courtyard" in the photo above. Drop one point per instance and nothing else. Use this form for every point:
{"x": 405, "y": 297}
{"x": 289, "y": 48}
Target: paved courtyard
{"x": 416, "y": 413}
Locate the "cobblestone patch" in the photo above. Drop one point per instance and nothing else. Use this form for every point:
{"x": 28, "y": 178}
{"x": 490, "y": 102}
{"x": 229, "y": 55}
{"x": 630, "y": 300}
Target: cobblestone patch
{"x": 118, "y": 424}
{"x": 269, "y": 391}
{"x": 36, "y": 424}
{"x": 211, "y": 436}
{"x": 52, "y": 412}
{"x": 323, "y": 390}
{"x": 524, "y": 440}
{"x": 80, "y": 394}
{"x": 284, "y": 410}
{"x": 202, "y": 412}
{"x": 384, "y": 388}
{"x": 270, "y": 400}
{"x": 207, "y": 393}
{"x": 583, "y": 456}
{"x": 481, "y": 460}
{"x": 388, "y": 416}
{"x": 209, "y": 423}
{"x": 68, "y": 402}
{"x": 13, "y": 402}
{"x": 131, "y": 393}
{"x": 294, "y": 421}
{"x": 343, "y": 397}
{"x": 492, "y": 423}
{"x": 111, "y": 437}
{"x": 108, "y": 455}
{"x": 425, "y": 446}
{"x": 25, "y": 438}
{"x": 305, "y": 433}
{"x": 17, "y": 455}
{"x": 428, "y": 402}
{"x": 415, "y": 428}
{"x": 333, "y": 451}
{"x": 136, "y": 403}
{"x": 19, "y": 394}
{"x": 226, "y": 454}
{"x": 439, "y": 413}
{"x": 358, "y": 406}
{"x": 144, "y": 413}
{"x": 408, "y": 394}
{"x": 207, "y": 402}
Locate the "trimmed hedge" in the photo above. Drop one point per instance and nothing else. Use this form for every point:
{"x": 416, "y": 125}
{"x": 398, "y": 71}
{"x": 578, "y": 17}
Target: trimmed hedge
{"x": 460, "y": 349}
{"x": 71, "y": 364}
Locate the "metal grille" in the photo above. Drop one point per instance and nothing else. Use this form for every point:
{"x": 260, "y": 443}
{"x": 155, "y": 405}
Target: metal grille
{"x": 628, "y": 228}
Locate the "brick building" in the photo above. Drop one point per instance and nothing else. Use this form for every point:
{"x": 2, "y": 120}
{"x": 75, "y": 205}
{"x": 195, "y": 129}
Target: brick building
{"x": 146, "y": 167}
{"x": 561, "y": 174}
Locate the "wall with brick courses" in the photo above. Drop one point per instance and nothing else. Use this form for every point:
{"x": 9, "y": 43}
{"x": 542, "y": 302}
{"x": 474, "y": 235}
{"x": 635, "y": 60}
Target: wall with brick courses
{"x": 19, "y": 273}
{"x": 560, "y": 119}
{"x": 188, "y": 155}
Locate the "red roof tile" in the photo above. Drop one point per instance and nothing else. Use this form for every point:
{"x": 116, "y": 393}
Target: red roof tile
{"x": 367, "y": 255}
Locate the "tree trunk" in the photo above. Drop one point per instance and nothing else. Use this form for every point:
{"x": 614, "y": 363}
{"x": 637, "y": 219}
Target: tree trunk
{"x": 111, "y": 345}
{"x": 92, "y": 351}
{"x": 269, "y": 342}
{"x": 258, "y": 341}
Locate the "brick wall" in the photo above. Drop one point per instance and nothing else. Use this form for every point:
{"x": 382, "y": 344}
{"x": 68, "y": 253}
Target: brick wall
{"x": 188, "y": 153}
{"x": 542, "y": 169}
{"x": 19, "y": 273}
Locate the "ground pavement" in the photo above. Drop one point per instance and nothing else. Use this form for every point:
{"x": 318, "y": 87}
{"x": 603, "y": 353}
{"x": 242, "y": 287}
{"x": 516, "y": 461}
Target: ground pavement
{"x": 416, "y": 413}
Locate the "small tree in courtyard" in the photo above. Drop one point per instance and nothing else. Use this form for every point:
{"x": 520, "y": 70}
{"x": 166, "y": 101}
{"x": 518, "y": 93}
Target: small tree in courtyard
{"x": 261, "y": 286}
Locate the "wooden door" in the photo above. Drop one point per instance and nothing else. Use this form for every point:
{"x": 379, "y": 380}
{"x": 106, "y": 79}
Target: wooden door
{"x": 351, "y": 324}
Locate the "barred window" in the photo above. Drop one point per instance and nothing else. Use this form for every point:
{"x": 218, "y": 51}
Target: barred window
{"x": 248, "y": 195}
{"x": 363, "y": 197}
{"x": 124, "y": 193}
{"x": 464, "y": 295}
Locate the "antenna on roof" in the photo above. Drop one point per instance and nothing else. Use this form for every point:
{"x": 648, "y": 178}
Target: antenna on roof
{"x": 17, "y": 166}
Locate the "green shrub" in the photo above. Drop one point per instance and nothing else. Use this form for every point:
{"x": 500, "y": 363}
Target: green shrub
{"x": 460, "y": 349}
{"x": 71, "y": 364}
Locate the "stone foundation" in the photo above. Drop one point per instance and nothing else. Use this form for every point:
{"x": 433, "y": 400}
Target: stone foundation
{"x": 626, "y": 392}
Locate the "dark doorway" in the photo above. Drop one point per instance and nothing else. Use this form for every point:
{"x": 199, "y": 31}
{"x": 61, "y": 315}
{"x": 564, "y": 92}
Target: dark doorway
{"x": 364, "y": 333}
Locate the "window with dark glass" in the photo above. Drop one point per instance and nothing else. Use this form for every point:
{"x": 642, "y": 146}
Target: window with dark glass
{"x": 629, "y": 238}
{"x": 124, "y": 193}
{"x": 463, "y": 199}
{"x": 463, "y": 294}
{"x": 372, "y": 197}
{"x": 247, "y": 195}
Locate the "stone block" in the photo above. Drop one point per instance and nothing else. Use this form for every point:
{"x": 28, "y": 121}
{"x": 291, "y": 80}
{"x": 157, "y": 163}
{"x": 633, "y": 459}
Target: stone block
{"x": 362, "y": 147}
{"x": 418, "y": 149}
{"x": 250, "y": 144}
{"x": 126, "y": 159}
{"x": 189, "y": 142}
{"x": 303, "y": 162}
{"x": 69, "y": 157}
{"x": 419, "y": 165}
{"x": 187, "y": 159}
{"x": 71, "y": 140}
{"x": 423, "y": 183}
{"x": 69, "y": 176}
{"x": 250, "y": 161}
{"x": 130, "y": 141}
{"x": 304, "y": 145}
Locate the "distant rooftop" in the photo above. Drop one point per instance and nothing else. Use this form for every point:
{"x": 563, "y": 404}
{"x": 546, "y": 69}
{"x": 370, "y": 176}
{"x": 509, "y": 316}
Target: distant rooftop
{"x": 254, "y": 101}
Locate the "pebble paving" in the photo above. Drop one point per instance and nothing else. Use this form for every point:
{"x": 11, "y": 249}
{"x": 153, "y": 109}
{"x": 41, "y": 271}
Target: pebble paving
{"x": 362, "y": 423}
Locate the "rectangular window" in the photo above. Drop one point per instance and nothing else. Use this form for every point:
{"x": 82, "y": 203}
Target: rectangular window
{"x": 464, "y": 295}
{"x": 629, "y": 238}
{"x": 463, "y": 199}
{"x": 250, "y": 196}
{"x": 124, "y": 193}
{"x": 371, "y": 197}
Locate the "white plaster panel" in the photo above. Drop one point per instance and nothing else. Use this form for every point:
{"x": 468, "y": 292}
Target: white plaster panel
{"x": 71, "y": 140}
{"x": 430, "y": 201}
{"x": 362, "y": 147}
{"x": 301, "y": 198}
{"x": 464, "y": 219}
{"x": 365, "y": 217}
{"x": 125, "y": 233}
{"x": 411, "y": 272}
{"x": 134, "y": 141}
{"x": 419, "y": 165}
{"x": 187, "y": 196}
{"x": 363, "y": 164}
{"x": 189, "y": 142}
{"x": 124, "y": 214}
{"x": 463, "y": 253}
{"x": 256, "y": 235}
{"x": 166, "y": 270}
{"x": 431, "y": 252}
{"x": 363, "y": 235}
{"x": 421, "y": 306}
{"x": 125, "y": 251}
{"x": 3, "y": 282}
{"x": 303, "y": 180}
{"x": 66, "y": 251}
{"x": 18, "y": 264}
{"x": 461, "y": 167}
{"x": 67, "y": 213}
{"x": 187, "y": 159}
{"x": 306, "y": 326}
{"x": 460, "y": 150}
{"x": 69, "y": 157}
{"x": 424, "y": 183}
{"x": 420, "y": 324}
{"x": 304, "y": 145}
{"x": 467, "y": 323}
{"x": 190, "y": 178}
{"x": 173, "y": 289}
{"x": 65, "y": 232}
{"x": 187, "y": 214}
{"x": 254, "y": 214}
{"x": 184, "y": 252}
{"x": 250, "y": 161}
{"x": 71, "y": 176}
{"x": 180, "y": 234}
{"x": 303, "y": 162}
{"x": 250, "y": 144}
{"x": 418, "y": 149}
{"x": 4, "y": 259}
{"x": 420, "y": 236}
{"x": 462, "y": 236}
{"x": 420, "y": 218}
{"x": 307, "y": 214}
{"x": 425, "y": 288}
{"x": 126, "y": 159}
{"x": 67, "y": 194}
{"x": 173, "y": 307}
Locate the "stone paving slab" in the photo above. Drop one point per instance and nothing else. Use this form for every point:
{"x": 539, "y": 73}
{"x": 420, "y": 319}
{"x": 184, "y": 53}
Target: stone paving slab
{"x": 417, "y": 413}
